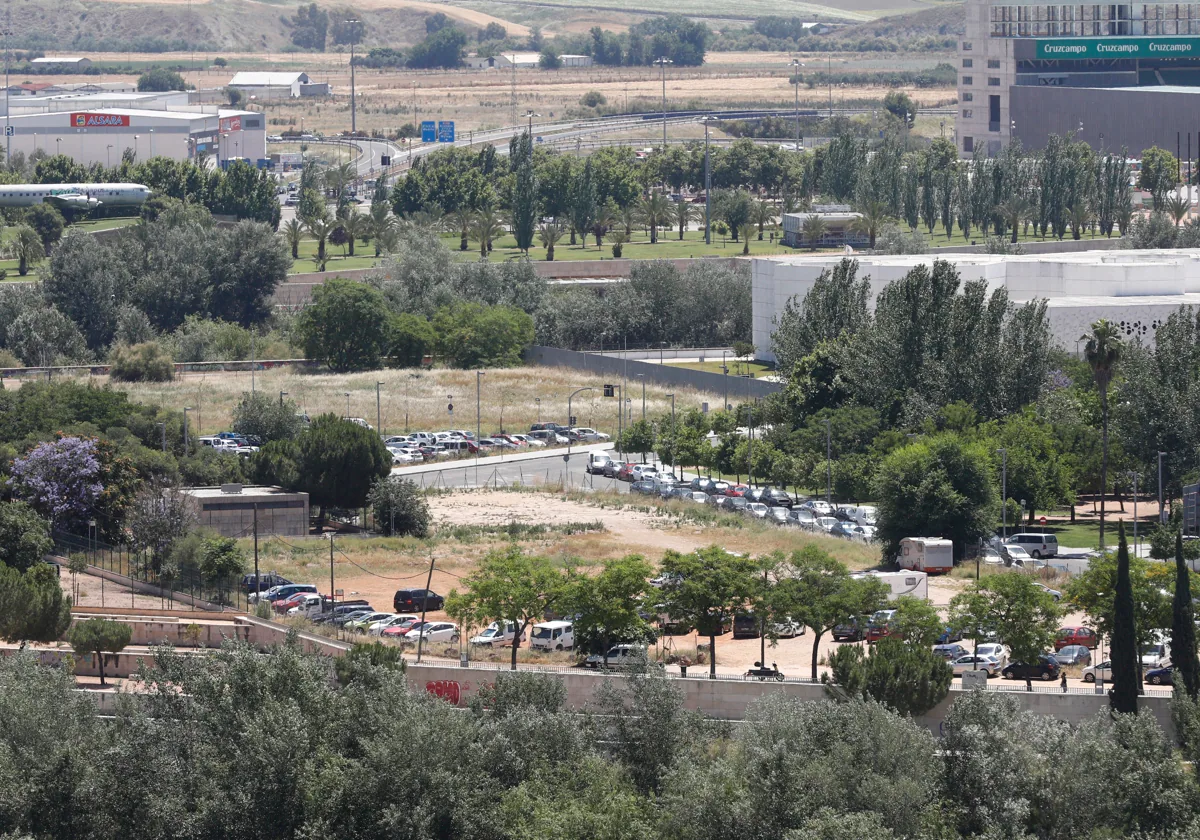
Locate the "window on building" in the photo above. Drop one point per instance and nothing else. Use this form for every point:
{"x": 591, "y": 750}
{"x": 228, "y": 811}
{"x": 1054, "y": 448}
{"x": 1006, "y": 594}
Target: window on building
{"x": 968, "y": 80}
{"x": 968, "y": 144}
{"x": 993, "y": 64}
{"x": 967, "y": 62}
{"x": 966, "y": 46}
{"x": 993, "y": 81}
{"x": 968, "y": 97}
{"x": 967, "y": 113}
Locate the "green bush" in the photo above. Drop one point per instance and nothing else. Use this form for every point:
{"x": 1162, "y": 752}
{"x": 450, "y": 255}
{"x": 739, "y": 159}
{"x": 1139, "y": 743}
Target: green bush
{"x": 147, "y": 362}
{"x": 910, "y": 679}
{"x": 399, "y": 508}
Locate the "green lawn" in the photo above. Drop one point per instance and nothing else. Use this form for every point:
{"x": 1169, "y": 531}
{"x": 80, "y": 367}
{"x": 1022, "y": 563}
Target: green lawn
{"x": 364, "y": 257}
{"x": 1086, "y": 534}
{"x": 669, "y": 246}
{"x": 737, "y": 367}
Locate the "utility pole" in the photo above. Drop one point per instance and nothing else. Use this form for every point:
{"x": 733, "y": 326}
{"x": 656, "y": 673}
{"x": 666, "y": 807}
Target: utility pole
{"x": 707, "y": 191}
{"x": 478, "y": 381}
{"x": 1162, "y": 514}
{"x": 353, "y": 24}
{"x": 257, "y": 578}
{"x": 7, "y": 138}
{"x": 796, "y": 65}
{"x": 331, "y": 589}
{"x": 1003, "y": 493}
{"x": 663, "y": 62}
{"x": 425, "y": 606}
{"x": 674, "y": 441}
{"x": 378, "y": 412}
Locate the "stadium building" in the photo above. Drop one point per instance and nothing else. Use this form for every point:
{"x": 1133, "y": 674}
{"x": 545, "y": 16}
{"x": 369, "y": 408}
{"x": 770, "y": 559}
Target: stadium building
{"x": 1118, "y": 76}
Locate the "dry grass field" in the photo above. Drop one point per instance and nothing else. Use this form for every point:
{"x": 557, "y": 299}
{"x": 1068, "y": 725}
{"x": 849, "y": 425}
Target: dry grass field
{"x": 507, "y": 396}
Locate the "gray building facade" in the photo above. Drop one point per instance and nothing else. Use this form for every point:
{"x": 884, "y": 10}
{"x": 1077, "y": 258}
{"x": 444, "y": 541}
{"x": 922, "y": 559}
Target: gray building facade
{"x": 230, "y": 510}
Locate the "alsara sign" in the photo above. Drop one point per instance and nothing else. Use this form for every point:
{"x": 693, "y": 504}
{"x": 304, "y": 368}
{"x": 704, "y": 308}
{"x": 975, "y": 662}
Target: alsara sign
{"x": 93, "y": 120}
{"x": 1084, "y": 48}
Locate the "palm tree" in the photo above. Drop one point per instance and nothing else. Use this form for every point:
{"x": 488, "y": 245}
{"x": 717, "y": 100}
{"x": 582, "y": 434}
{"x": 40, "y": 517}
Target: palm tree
{"x": 629, "y": 218}
{"x": 684, "y": 214}
{"x": 461, "y": 219}
{"x": 485, "y": 227}
{"x": 617, "y": 239}
{"x": 1177, "y": 206}
{"x": 654, "y": 211}
{"x": 431, "y": 217}
{"x": 1103, "y": 352}
{"x": 548, "y": 234}
{"x": 358, "y": 225}
{"x": 294, "y": 232}
{"x": 319, "y": 227}
{"x": 1013, "y": 211}
{"x": 813, "y": 229}
{"x": 337, "y": 178}
{"x": 871, "y": 216}
{"x": 386, "y": 233}
{"x": 1080, "y": 217}
{"x": 27, "y": 245}
{"x": 763, "y": 214}
{"x": 605, "y": 218}
{"x": 747, "y": 232}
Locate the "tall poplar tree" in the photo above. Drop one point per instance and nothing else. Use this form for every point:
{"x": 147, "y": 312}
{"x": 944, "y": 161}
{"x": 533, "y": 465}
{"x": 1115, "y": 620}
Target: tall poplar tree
{"x": 1183, "y": 627}
{"x": 1126, "y": 679}
{"x": 525, "y": 191}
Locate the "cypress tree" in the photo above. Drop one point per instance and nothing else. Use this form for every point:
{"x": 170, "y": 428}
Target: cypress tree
{"x": 1183, "y": 628}
{"x": 1124, "y": 636}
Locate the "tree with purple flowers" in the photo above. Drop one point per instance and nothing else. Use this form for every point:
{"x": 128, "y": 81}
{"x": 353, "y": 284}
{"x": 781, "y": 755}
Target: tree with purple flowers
{"x": 60, "y": 479}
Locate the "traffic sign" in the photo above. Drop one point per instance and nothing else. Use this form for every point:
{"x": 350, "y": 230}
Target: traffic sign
{"x": 10, "y": 130}
{"x": 385, "y": 160}
{"x": 566, "y": 457}
{"x": 428, "y": 131}
{"x": 1042, "y": 521}
{"x": 445, "y": 131}
{"x": 450, "y": 408}
{"x": 608, "y": 390}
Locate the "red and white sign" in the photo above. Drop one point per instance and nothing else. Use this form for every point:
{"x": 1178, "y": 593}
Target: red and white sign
{"x": 231, "y": 124}
{"x": 94, "y": 120}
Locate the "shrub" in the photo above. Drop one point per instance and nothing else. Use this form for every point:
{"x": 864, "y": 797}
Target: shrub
{"x": 911, "y": 680}
{"x": 593, "y": 99}
{"x": 146, "y": 362}
{"x": 399, "y": 508}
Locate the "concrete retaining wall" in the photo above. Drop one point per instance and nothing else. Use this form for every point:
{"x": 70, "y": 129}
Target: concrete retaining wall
{"x": 738, "y": 388}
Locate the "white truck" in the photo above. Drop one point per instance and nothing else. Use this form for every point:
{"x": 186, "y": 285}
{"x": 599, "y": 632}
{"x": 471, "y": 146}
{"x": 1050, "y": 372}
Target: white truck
{"x": 926, "y": 554}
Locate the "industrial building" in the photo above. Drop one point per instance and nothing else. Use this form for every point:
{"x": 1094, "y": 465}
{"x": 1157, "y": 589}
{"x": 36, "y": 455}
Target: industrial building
{"x": 231, "y": 509}
{"x": 1116, "y": 76}
{"x": 67, "y": 62}
{"x": 838, "y": 229}
{"x": 99, "y": 127}
{"x": 1137, "y": 290}
{"x": 271, "y": 86}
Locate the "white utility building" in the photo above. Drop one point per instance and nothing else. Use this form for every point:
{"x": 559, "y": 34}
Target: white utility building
{"x": 276, "y": 85}
{"x": 1137, "y": 290}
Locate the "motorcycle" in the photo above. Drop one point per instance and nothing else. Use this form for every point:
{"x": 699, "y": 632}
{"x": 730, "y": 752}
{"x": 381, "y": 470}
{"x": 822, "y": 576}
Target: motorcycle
{"x": 761, "y": 672}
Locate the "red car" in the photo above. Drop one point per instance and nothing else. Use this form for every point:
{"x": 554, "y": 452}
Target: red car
{"x": 626, "y": 472}
{"x": 1085, "y": 636}
{"x": 737, "y": 490}
{"x": 287, "y": 603}
{"x": 397, "y": 631}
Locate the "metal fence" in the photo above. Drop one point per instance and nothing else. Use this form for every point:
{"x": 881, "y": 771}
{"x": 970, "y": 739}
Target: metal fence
{"x": 140, "y": 568}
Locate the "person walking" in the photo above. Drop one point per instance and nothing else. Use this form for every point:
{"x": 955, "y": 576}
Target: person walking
{"x": 1063, "y": 682}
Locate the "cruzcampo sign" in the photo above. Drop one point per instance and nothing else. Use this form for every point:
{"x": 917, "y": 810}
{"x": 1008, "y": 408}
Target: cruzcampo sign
{"x": 1148, "y": 47}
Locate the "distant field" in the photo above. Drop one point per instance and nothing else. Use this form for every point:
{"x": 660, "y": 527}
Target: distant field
{"x": 737, "y": 367}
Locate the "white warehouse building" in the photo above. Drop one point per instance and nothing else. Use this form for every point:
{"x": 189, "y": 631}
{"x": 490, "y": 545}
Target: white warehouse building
{"x": 1137, "y": 290}
{"x": 101, "y": 135}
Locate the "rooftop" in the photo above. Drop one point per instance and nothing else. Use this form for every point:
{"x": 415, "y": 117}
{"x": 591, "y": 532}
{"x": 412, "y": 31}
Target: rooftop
{"x": 243, "y": 491}
{"x": 257, "y": 79}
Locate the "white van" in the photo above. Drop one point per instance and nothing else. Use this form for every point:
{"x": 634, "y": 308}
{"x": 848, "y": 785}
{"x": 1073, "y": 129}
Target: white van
{"x": 552, "y": 635}
{"x": 1036, "y": 545}
{"x": 865, "y": 515}
{"x": 597, "y": 461}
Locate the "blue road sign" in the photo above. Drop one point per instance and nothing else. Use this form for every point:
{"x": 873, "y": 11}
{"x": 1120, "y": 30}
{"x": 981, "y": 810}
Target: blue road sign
{"x": 10, "y": 130}
{"x": 429, "y": 131}
{"x": 445, "y": 131}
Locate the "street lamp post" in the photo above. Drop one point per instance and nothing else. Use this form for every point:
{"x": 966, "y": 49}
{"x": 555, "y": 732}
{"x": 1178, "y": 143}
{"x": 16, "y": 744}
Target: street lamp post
{"x": 478, "y": 386}
{"x": 378, "y": 412}
{"x": 570, "y": 421}
{"x": 1135, "y": 478}
{"x": 707, "y": 188}
{"x": 828, "y": 463}
{"x": 109, "y": 154}
{"x": 186, "y": 445}
{"x": 796, "y": 65}
{"x": 1003, "y": 493}
{"x": 353, "y": 24}
{"x": 642, "y": 377}
{"x": 152, "y": 142}
{"x": 530, "y": 116}
{"x": 663, "y": 62}
{"x": 1162, "y": 518}
{"x": 57, "y": 146}
{"x": 347, "y": 393}
{"x": 538, "y": 401}
{"x": 282, "y": 394}
{"x": 674, "y": 448}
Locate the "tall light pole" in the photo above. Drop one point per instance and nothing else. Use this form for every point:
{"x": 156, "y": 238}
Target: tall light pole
{"x": 642, "y": 377}
{"x": 282, "y": 394}
{"x": 1162, "y": 518}
{"x": 478, "y": 386}
{"x": 796, "y": 65}
{"x": 186, "y": 444}
{"x": 1003, "y": 493}
{"x": 347, "y": 405}
{"x": 707, "y": 187}
{"x": 828, "y": 463}
{"x": 674, "y": 448}
{"x": 57, "y": 145}
{"x": 530, "y": 116}
{"x": 109, "y": 153}
{"x": 378, "y": 412}
{"x": 663, "y": 62}
{"x": 725, "y": 371}
{"x": 353, "y": 24}
{"x": 7, "y": 139}
{"x": 571, "y": 418}
{"x": 1135, "y": 478}
{"x": 538, "y": 401}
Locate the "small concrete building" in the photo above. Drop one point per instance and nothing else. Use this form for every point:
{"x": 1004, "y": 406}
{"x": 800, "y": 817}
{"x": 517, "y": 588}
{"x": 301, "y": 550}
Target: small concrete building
{"x": 575, "y": 60}
{"x": 521, "y": 61}
{"x": 838, "y": 230}
{"x": 270, "y": 85}
{"x": 229, "y": 510}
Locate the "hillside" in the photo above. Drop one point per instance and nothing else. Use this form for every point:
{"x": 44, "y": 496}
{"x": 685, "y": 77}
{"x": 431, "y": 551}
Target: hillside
{"x": 943, "y": 19}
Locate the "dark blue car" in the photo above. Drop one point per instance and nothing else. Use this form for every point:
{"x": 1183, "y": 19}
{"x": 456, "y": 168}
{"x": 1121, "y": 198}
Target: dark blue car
{"x": 1160, "y": 676}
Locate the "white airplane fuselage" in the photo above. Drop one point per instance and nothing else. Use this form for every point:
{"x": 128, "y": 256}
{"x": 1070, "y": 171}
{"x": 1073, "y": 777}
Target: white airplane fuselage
{"x": 72, "y": 195}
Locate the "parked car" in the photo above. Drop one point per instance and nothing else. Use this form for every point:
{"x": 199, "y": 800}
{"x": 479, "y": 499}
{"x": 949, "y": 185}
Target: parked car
{"x": 880, "y": 625}
{"x": 596, "y": 462}
{"x": 1046, "y": 668}
{"x": 586, "y": 435}
{"x": 1037, "y": 545}
{"x": 613, "y": 468}
{"x": 547, "y": 427}
{"x": 757, "y": 509}
{"x": 779, "y": 515}
{"x": 950, "y": 652}
{"x": 697, "y": 497}
{"x": 1156, "y": 654}
{"x": 645, "y": 488}
{"x": 267, "y": 580}
{"x": 552, "y": 635}
{"x": 416, "y": 600}
{"x": 376, "y": 628}
{"x": 1160, "y": 676}
{"x": 853, "y": 631}
{"x": 360, "y": 624}
{"x": 996, "y": 650}
{"x": 949, "y": 635}
{"x": 738, "y": 490}
{"x": 342, "y": 619}
{"x": 284, "y": 592}
{"x": 701, "y": 484}
{"x": 618, "y": 656}
{"x": 735, "y": 503}
{"x": 431, "y": 632}
{"x": 1053, "y": 593}
{"x": 496, "y": 634}
{"x": 530, "y": 440}
{"x": 974, "y": 662}
{"x": 1103, "y": 670}
{"x": 399, "y": 631}
{"x": 717, "y": 488}
{"x": 775, "y": 497}
{"x": 1073, "y": 655}
{"x": 1068, "y": 636}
